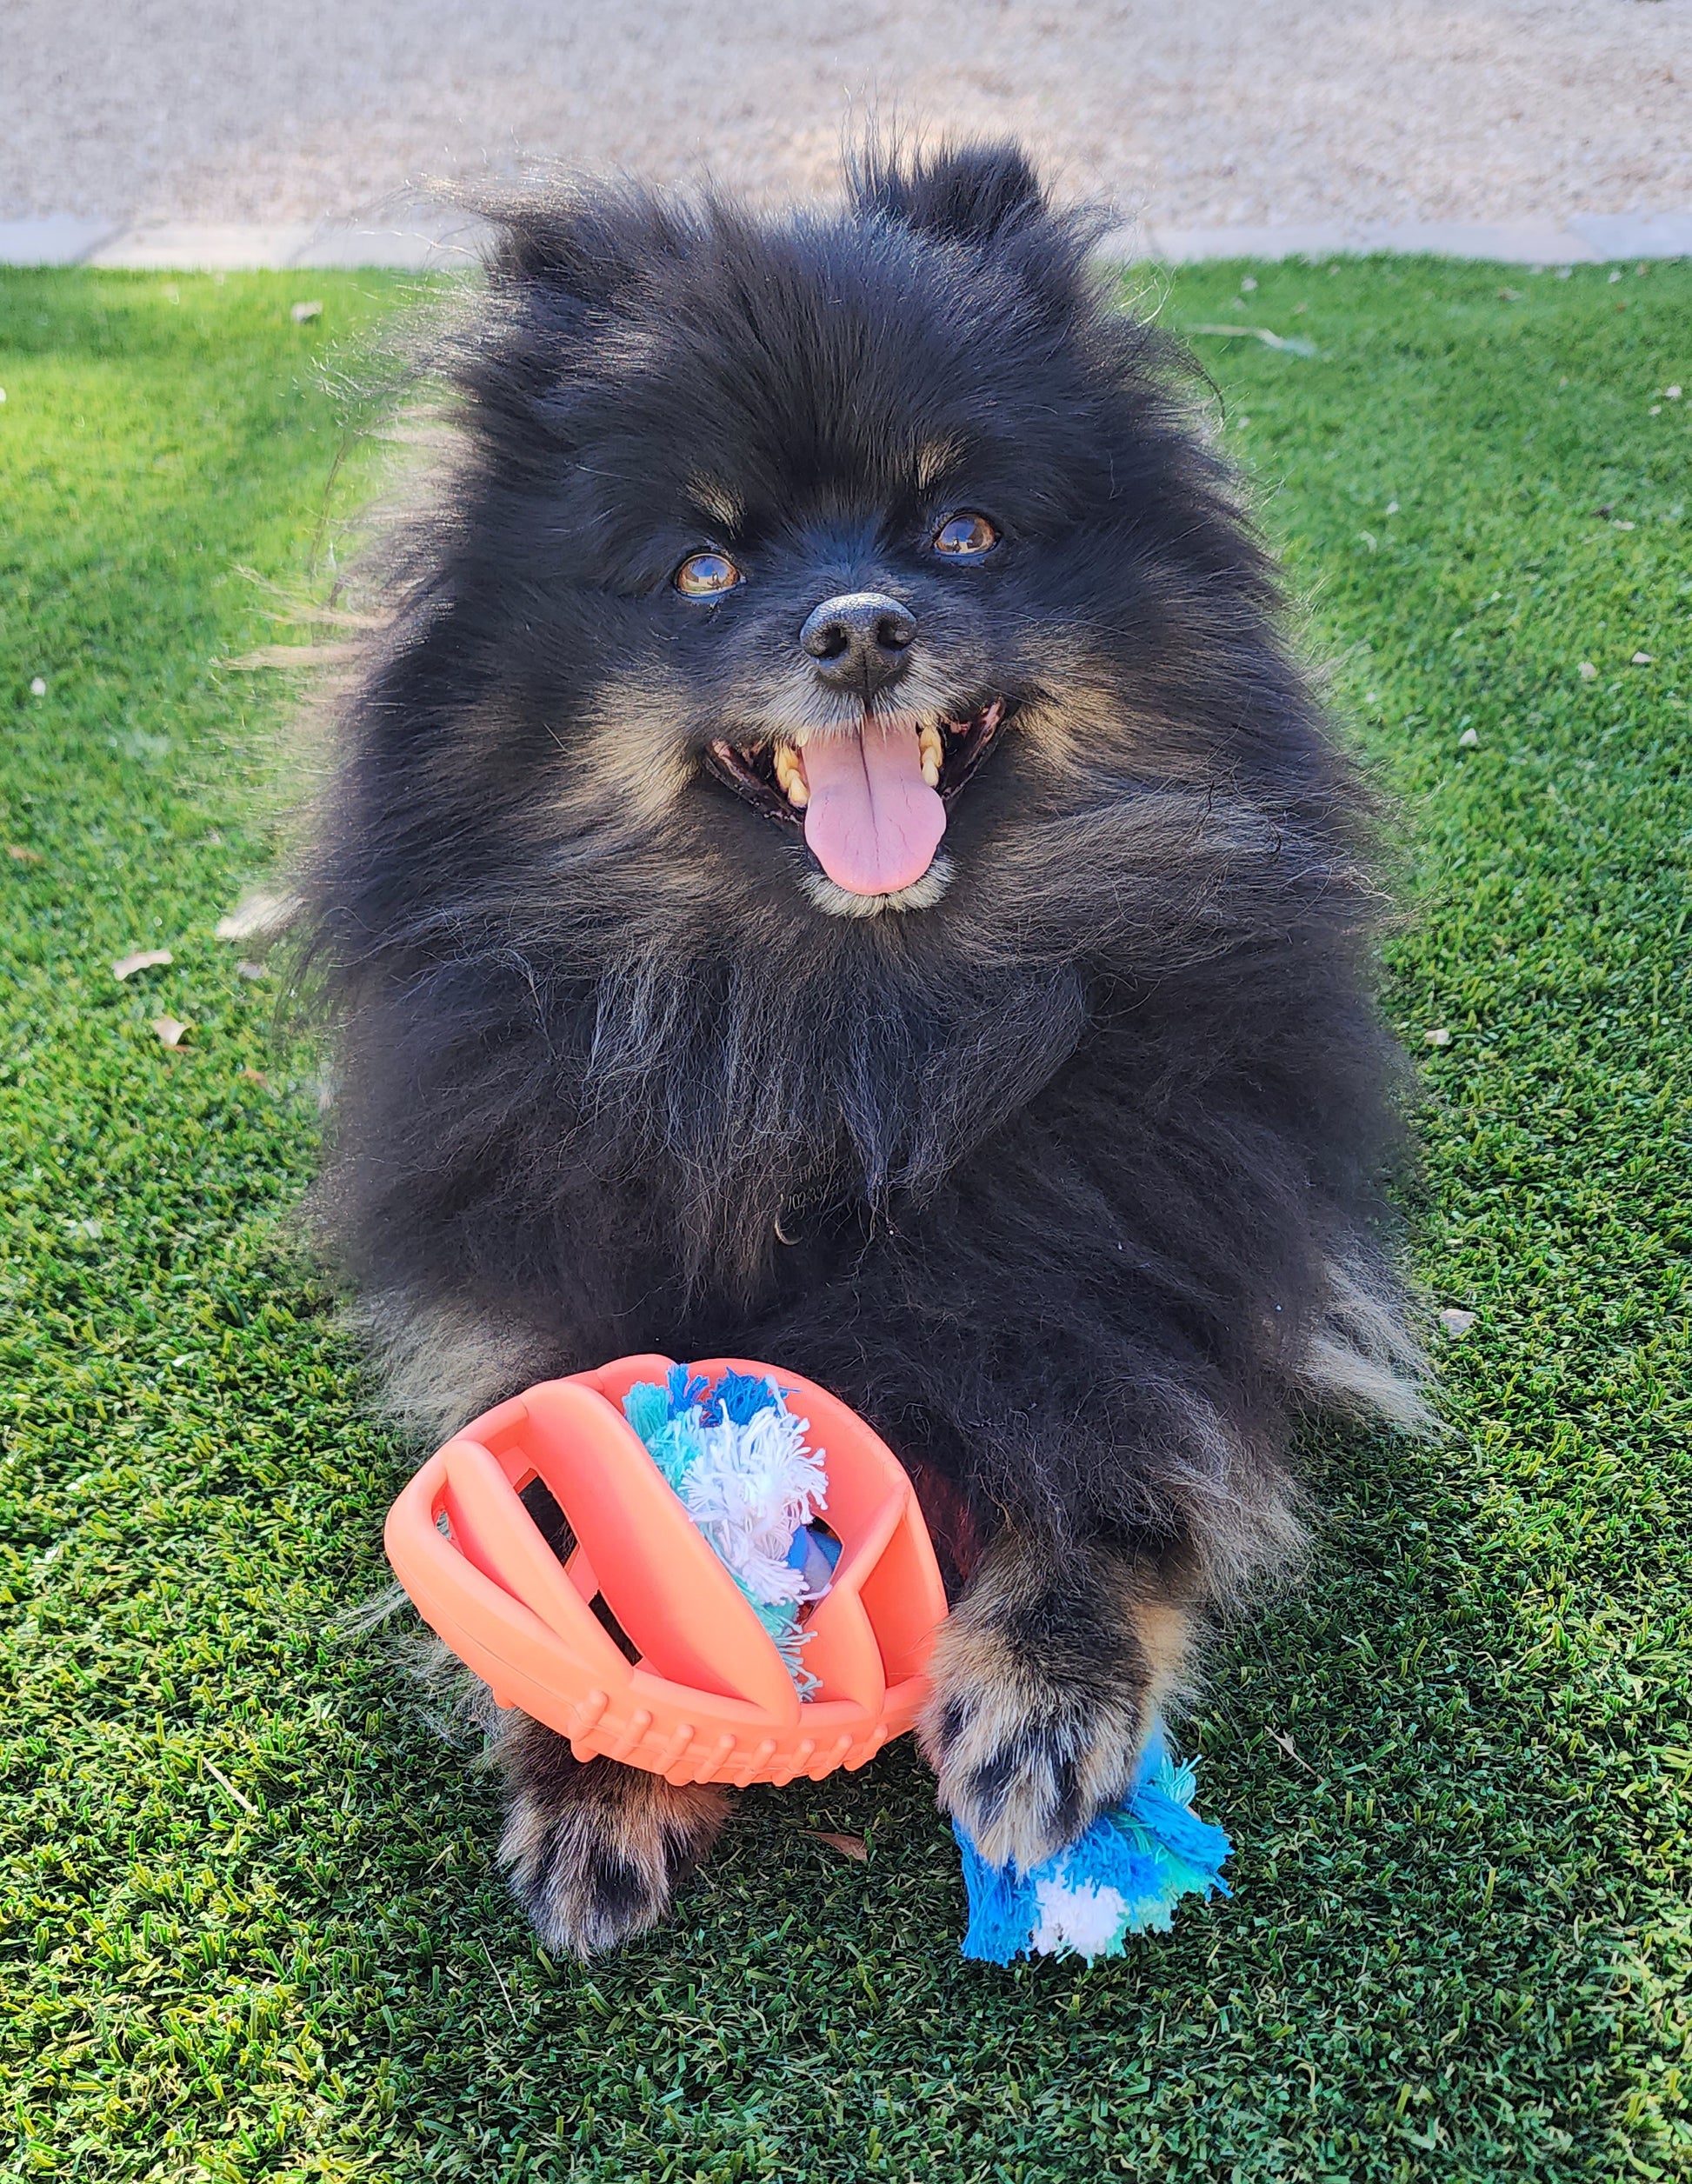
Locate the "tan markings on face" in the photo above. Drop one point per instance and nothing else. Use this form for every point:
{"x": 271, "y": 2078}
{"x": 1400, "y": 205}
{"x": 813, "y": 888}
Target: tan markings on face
{"x": 1084, "y": 724}
{"x": 632, "y": 756}
{"x": 1052, "y": 732}
{"x": 716, "y": 501}
{"x": 934, "y": 459}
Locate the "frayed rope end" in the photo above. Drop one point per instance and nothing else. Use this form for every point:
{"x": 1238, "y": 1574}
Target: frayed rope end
{"x": 1124, "y": 1875}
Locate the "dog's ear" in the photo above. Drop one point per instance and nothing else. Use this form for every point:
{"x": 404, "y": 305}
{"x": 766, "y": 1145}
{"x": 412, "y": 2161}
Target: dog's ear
{"x": 565, "y": 262}
{"x": 584, "y": 244}
{"x": 972, "y": 194}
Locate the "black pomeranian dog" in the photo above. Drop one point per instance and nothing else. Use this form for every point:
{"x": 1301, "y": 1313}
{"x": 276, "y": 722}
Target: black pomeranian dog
{"x": 832, "y": 862}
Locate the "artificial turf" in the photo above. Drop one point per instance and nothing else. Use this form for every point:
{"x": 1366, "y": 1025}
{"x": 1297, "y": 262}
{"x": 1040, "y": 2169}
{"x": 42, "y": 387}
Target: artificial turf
{"x": 250, "y": 1919}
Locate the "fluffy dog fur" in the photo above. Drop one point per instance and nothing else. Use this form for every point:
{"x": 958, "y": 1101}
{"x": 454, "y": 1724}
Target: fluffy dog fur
{"x": 1062, "y": 1165}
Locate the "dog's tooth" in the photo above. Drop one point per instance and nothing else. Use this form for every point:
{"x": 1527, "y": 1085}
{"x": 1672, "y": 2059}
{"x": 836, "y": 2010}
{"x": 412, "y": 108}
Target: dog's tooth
{"x": 932, "y": 752}
{"x": 790, "y": 777}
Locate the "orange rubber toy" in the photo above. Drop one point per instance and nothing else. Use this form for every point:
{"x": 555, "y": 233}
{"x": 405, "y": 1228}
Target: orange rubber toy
{"x": 710, "y": 1699}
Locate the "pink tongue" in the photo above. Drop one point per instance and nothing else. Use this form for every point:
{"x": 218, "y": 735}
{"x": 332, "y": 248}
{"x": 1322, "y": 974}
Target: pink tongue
{"x": 873, "y": 823}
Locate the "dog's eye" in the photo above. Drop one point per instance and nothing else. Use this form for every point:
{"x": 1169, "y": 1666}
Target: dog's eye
{"x": 706, "y": 575}
{"x": 965, "y": 535}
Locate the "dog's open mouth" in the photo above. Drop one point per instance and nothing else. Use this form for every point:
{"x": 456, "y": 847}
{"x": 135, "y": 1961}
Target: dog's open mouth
{"x": 870, "y": 800}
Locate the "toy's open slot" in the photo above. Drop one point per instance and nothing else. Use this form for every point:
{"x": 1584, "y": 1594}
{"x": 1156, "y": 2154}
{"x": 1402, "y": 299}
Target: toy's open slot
{"x": 549, "y": 1519}
{"x": 628, "y": 1539}
{"x": 553, "y": 1527}
{"x": 822, "y": 1560}
{"x": 472, "y": 1505}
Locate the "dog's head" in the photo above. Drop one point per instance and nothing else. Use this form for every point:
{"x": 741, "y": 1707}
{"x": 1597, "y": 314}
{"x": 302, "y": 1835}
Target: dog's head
{"x": 833, "y": 561}
{"x": 835, "y": 678}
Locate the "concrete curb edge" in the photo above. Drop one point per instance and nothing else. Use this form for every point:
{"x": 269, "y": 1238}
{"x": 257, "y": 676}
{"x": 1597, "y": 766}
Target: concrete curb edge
{"x": 431, "y": 241}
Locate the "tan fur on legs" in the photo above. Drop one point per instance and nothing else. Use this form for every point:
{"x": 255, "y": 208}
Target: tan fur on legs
{"x": 1047, "y": 1681}
{"x": 442, "y": 1364}
{"x": 594, "y": 1849}
{"x": 1363, "y": 1359}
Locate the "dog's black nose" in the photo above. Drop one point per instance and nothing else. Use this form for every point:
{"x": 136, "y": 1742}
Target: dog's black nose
{"x": 859, "y": 640}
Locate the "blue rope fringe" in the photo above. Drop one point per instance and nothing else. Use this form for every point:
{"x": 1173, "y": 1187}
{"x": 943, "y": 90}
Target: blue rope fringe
{"x": 1124, "y": 1875}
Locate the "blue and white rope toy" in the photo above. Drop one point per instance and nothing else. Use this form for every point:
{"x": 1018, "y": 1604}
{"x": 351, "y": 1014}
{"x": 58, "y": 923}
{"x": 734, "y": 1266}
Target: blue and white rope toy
{"x": 738, "y": 1458}
{"x": 740, "y": 1462}
{"x": 1124, "y": 1875}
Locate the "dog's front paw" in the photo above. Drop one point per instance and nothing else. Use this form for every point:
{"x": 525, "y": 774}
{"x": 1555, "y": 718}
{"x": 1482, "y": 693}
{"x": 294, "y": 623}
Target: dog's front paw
{"x": 1025, "y": 1765}
{"x": 1043, "y": 1699}
{"x": 594, "y": 1850}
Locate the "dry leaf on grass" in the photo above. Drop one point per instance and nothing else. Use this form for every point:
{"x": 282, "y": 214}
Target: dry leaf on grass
{"x": 1440, "y": 1038}
{"x": 144, "y": 959}
{"x": 244, "y": 969}
{"x": 853, "y": 1847}
{"x": 19, "y": 855}
{"x": 1456, "y": 1323}
{"x": 169, "y": 1032}
{"x": 255, "y": 1077}
{"x": 1277, "y": 1736}
{"x": 300, "y": 312}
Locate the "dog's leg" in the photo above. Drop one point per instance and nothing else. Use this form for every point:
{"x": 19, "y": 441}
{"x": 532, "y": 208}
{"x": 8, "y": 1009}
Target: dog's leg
{"x": 595, "y": 1850}
{"x": 1048, "y": 1677}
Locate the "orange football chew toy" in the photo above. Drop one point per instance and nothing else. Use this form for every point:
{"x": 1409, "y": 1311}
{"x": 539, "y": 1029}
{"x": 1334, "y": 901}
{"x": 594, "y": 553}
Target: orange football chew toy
{"x": 712, "y": 1697}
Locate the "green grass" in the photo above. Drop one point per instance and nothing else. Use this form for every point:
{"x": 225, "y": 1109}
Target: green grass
{"x": 250, "y": 1921}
